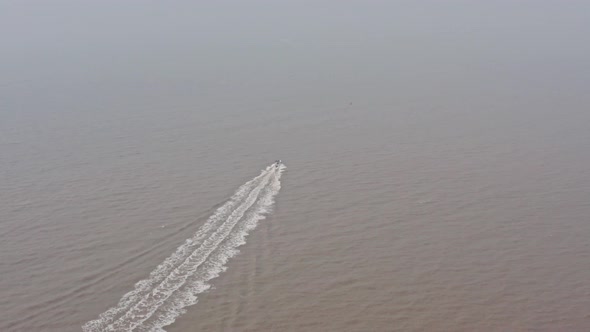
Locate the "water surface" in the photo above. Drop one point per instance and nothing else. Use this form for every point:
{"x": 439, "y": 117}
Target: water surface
{"x": 438, "y": 165}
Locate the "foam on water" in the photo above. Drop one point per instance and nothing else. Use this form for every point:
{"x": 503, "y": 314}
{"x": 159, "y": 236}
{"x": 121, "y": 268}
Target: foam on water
{"x": 155, "y": 302}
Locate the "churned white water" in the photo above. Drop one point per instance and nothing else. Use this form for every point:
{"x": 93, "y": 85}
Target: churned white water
{"x": 173, "y": 285}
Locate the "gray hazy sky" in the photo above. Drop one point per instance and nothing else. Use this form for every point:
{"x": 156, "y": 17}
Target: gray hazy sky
{"x": 66, "y": 54}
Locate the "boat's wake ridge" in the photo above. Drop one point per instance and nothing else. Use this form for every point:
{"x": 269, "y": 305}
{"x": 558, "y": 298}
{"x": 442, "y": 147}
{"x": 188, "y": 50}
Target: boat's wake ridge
{"x": 156, "y": 301}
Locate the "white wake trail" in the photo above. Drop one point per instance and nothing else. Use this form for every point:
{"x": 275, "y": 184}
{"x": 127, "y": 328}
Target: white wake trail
{"x": 158, "y": 300}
